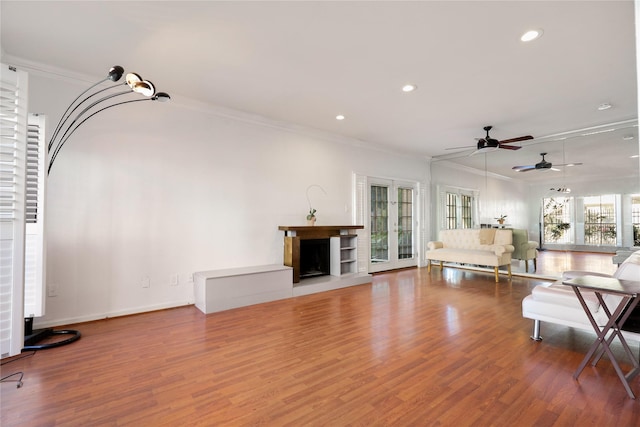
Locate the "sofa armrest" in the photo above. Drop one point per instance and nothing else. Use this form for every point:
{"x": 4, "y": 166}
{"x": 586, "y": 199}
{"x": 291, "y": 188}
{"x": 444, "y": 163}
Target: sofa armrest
{"x": 434, "y": 245}
{"x": 501, "y": 249}
{"x": 525, "y": 246}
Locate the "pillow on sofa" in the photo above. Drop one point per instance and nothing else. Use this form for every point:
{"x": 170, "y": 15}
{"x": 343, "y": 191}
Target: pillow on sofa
{"x": 487, "y": 235}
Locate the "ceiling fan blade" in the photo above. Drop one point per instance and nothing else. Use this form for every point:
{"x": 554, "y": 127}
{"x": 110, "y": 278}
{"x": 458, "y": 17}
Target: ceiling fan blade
{"x": 460, "y": 148}
{"x": 555, "y": 169}
{"x": 509, "y": 147}
{"x": 518, "y": 139}
{"x": 524, "y": 168}
{"x": 570, "y": 164}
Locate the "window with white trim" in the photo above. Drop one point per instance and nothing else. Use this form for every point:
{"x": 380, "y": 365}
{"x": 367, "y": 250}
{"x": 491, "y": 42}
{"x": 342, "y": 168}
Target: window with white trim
{"x": 458, "y": 207}
{"x": 557, "y": 219}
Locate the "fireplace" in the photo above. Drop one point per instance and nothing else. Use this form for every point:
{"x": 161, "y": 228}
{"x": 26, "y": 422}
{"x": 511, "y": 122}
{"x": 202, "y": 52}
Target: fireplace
{"x": 314, "y": 258}
{"x": 308, "y": 249}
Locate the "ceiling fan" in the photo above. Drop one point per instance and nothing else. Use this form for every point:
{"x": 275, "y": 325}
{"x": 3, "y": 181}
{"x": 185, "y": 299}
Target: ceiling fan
{"x": 543, "y": 165}
{"x": 486, "y": 144}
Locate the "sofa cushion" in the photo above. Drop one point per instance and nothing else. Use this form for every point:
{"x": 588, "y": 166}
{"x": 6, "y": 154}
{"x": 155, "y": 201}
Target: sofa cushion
{"x": 468, "y": 256}
{"x": 555, "y": 313}
{"x": 487, "y": 235}
{"x": 563, "y": 295}
{"x": 503, "y": 237}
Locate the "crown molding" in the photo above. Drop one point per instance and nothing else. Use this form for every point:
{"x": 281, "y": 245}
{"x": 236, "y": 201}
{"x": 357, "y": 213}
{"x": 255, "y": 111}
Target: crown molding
{"x": 177, "y": 100}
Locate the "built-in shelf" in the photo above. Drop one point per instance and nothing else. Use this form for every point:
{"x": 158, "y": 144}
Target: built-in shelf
{"x": 343, "y": 253}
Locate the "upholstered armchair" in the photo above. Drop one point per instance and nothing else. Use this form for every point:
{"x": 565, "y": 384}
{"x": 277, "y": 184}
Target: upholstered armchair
{"x": 525, "y": 249}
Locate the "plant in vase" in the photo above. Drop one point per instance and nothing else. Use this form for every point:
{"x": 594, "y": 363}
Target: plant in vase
{"x": 311, "y": 217}
{"x": 501, "y": 219}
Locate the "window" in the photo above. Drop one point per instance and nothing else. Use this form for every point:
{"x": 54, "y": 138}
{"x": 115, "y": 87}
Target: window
{"x": 556, "y": 213}
{"x": 451, "y": 209}
{"x": 600, "y": 220}
{"x": 635, "y": 219}
{"x": 459, "y": 206}
{"x": 465, "y": 211}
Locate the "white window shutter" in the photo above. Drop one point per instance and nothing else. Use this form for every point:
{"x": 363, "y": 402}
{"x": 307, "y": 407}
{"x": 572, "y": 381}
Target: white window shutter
{"x": 34, "y": 269}
{"x": 360, "y": 217}
{"x": 13, "y": 136}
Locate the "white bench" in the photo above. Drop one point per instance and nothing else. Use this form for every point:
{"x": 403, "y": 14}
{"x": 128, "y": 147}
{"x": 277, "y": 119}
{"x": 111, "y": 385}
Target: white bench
{"x": 218, "y": 290}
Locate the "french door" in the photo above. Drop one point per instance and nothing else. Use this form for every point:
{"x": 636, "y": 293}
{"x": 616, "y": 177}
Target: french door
{"x": 392, "y": 222}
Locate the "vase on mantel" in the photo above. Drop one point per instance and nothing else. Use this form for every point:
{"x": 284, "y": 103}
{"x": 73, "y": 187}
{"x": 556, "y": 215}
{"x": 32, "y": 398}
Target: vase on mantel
{"x": 311, "y": 221}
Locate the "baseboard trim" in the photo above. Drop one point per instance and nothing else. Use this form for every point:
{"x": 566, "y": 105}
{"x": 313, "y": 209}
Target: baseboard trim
{"x": 118, "y": 313}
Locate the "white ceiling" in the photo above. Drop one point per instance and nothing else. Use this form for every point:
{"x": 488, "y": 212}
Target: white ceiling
{"x": 305, "y": 62}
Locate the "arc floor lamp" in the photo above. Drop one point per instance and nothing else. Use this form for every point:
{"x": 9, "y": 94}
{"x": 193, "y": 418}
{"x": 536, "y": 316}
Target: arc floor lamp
{"x": 92, "y": 101}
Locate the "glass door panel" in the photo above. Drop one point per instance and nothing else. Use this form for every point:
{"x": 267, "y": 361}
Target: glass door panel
{"x": 379, "y": 224}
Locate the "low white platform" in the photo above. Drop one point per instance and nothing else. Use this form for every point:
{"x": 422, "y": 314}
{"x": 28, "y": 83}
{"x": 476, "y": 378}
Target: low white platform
{"x": 328, "y": 283}
{"x": 218, "y": 290}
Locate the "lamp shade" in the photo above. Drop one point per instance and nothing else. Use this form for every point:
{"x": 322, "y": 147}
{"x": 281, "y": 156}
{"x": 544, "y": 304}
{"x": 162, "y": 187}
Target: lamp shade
{"x": 144, "y": 87}
{"x": 115, "y": 73}
{"x": 161, "y": 97}
{"x": 132, "y": 79}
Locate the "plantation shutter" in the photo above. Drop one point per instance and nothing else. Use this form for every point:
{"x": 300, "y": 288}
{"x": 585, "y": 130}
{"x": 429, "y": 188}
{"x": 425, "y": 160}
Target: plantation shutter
{"x": 13, "y": 135}
{"x": 360, "y": 216}
{"x": 34, "y": 283}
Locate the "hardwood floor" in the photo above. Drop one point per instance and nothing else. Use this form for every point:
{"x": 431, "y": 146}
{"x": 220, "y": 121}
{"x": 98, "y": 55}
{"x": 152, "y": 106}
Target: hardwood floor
{"x": 411, "y": 349}
{"x": 553, "y": 263}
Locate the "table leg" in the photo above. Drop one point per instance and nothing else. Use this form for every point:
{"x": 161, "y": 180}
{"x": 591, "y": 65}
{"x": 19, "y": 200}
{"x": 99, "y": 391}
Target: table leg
{"x": 603, "y": 340}
{"x": 618, "y": 331}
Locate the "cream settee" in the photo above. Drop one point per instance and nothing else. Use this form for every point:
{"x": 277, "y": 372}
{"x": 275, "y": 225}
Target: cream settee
{"x": 478, "y": 246}
{"x": 557, "y": 303}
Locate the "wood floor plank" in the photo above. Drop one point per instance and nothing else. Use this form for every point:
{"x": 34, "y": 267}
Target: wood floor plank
{"x": 412, "y": 348}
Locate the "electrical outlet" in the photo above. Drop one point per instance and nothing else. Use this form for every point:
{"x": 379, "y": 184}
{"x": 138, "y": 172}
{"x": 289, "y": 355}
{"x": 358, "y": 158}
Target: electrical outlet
{"x": 173, "y": 280}
{"x": 190, "y": 279}
{"x": 52, "y": 290}
{"x": 146, "y": 282}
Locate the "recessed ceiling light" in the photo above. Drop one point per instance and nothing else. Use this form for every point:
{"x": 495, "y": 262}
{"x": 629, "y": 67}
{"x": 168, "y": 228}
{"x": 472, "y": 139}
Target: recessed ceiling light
{"x": 340, "y": 117}
{"x": 531, "y": 35}
{"x": 409, "y": 88}
{"x": 635, "y": 156}
{"x": 604, "y": 106}
{"x": 627, "y": 137}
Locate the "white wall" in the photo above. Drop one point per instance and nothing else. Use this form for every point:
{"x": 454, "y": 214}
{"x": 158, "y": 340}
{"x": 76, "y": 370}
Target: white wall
{"x": 155, "y": 189}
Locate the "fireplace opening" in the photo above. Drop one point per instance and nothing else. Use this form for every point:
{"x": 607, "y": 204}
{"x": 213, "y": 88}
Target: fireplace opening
{"x": 314, "y": 257}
